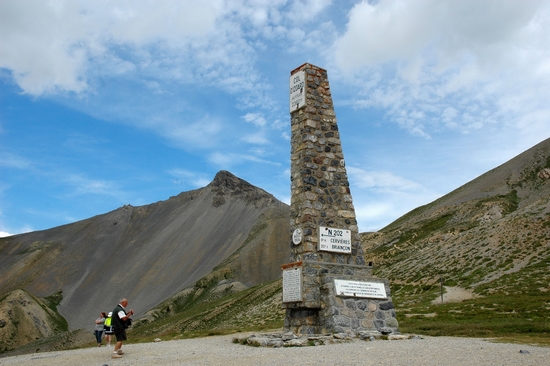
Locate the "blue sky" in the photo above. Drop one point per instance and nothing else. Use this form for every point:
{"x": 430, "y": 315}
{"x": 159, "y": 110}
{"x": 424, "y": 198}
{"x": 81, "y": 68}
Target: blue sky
{"x": 106, "y": 103}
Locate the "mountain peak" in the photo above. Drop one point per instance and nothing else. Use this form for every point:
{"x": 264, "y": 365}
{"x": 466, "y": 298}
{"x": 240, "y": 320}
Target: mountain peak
{"x": 227, "y": 184}
{"x": 226, "y": 179}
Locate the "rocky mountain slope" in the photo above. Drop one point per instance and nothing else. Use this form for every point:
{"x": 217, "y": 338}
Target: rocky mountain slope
{"x": 496, "y": 225}
{"x": 25, "y": 318}
{"x": 151, "y": 252}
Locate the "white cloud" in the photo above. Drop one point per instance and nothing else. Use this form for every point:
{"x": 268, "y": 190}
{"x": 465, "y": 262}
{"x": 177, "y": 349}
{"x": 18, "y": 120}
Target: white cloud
{"x": 228, "y": 160}
{"x": 381, "y": 181}
{"x": 306, "y": 10}
{"x": 9, "y": 231}
{"x": 380, "y": 197}
{"x": 189, "y": 41}
{"x": 46, "y": 59}
{"x": 83, "y": 185}
{"x": 225, "y": 161}
{"x": 78, "y": 185}
{"x": 189, "y": 178}
{"x": 404, "y": 30}
{"x": 5, "y": 230}
{"x": 255, "y": 118}
{"x": 105, "y": 51}
{"x": 461, "y": 65}
{"x": 139, "y": 22}
{"x": 42, "y": 57}
{"x": 9, "y": 160}
{"x": 255, "y": 138}
{"x": 201, "y": 133}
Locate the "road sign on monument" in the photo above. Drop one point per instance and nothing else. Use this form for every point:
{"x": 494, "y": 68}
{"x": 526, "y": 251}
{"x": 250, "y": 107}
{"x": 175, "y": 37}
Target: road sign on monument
{"x": 297, "y": 91}
{"x": 334, "y": 240}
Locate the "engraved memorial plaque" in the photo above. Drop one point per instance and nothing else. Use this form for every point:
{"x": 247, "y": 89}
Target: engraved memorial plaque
{"x": 375, "y": 290}
{"x": 292, "y": 284}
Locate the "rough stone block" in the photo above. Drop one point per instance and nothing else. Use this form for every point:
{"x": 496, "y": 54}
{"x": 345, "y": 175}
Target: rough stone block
{"x": 258, "y": 341}
{"x": 367, "y": 324}
{"x": 342, "y": 321}
{"x": 392, "y": 323}
{"x": 386, "y": 305}
{"x": 348, "y": 313}
{"x": 348, "y": 214}
{"x": 350, "y": 304}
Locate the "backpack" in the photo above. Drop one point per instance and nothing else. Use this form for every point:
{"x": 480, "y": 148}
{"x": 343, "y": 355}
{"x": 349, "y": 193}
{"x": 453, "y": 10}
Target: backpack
{"x": 107, "y": 325}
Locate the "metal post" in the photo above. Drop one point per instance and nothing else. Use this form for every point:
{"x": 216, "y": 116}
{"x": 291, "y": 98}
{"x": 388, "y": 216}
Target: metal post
{"x": 441, "y": 281}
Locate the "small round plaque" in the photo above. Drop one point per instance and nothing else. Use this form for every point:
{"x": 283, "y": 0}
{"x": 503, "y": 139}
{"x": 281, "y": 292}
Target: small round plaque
{"x": 297, "y": 236}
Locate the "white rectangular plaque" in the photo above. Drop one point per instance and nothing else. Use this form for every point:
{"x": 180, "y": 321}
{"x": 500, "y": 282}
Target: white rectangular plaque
{"x": 334, "y": 240}
{"x": 297, "y": 90}
{"x": 292, "y": 284}
{"x": 374, "y": 290}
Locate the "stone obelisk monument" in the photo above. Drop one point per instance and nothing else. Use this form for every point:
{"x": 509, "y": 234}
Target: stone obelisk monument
{"x": 327, "y": 288}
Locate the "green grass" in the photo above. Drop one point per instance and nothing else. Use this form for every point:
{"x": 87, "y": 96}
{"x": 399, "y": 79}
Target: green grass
{"x": 513, "y": 308}
{"x": 492, "y": 316}
{"x": 228, "y": 314}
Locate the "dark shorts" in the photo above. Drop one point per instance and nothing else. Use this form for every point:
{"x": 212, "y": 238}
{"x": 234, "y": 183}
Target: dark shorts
{"x": 120, "y": 334}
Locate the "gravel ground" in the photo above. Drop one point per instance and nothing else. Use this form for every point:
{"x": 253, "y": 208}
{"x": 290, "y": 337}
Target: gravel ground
{"x": 221, "y": 351}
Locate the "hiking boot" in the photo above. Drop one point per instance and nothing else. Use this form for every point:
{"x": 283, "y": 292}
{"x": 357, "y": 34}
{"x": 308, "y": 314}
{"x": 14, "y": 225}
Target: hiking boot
{"x": 120, "y": 352}
{"x": 115, "y": 355}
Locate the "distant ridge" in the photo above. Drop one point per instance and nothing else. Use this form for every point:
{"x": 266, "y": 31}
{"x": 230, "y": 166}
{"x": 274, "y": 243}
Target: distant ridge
{"x": 492, "y": 226}
{"x": 519, "y": 174}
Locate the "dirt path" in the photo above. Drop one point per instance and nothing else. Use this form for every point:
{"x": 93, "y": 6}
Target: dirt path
{"x": 455, "y": 294}
{"x": 221, "y": 351}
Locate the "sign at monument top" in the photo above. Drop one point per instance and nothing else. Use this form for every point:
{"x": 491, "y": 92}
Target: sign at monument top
{"x": 297, "y": 90}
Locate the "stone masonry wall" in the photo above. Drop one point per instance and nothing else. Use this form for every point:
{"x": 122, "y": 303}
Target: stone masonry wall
{"x": 324, "y": 311}
{"x": 356, "y": 315}
{"x": 320, "y": 196}
{"x": 319, "y": 183}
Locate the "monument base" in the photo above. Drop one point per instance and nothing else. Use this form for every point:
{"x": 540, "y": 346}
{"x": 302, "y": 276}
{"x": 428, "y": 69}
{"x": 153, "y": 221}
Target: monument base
{"x": 339, "y": 298}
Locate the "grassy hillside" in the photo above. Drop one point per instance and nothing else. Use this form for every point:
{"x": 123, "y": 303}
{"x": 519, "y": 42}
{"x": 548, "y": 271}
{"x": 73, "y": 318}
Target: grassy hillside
{"x": 490, "y": 239}
{"x": 213, "y": 308}
{"x": 25, "y": 318}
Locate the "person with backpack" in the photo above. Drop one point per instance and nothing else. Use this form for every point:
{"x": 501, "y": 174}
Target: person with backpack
{"x": 108, "y": 328}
